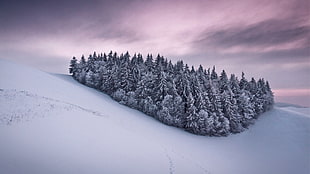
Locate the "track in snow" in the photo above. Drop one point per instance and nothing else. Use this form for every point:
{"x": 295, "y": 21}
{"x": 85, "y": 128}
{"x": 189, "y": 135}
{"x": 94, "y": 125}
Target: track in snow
{"x": 31, "y": 106}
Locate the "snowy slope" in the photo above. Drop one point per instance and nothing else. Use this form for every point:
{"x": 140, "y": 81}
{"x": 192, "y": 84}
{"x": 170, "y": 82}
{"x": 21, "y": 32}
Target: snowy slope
{"x": 52, "y": 124}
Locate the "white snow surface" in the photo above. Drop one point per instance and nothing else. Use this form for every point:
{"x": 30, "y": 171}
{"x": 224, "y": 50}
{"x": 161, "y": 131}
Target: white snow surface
{"x": 52, "y": 124}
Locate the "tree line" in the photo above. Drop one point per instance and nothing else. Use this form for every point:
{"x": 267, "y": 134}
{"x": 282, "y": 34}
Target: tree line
{"x": 197, "y": 100}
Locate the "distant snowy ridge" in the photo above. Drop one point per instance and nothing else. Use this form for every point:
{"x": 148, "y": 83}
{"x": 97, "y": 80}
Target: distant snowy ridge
{"x": 279, "y": 104}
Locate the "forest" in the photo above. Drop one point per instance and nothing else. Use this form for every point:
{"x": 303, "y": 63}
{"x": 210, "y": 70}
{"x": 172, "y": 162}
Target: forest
{"x": 200, "y": 101}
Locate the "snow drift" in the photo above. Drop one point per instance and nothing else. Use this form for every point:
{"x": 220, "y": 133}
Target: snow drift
{"x": 52, "y": 124}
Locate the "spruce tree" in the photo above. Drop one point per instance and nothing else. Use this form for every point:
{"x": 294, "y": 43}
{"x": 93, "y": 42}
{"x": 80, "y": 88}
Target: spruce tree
{"x": 73, "y": 66}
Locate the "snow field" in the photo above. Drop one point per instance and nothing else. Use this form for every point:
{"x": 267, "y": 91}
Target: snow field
{"x": 52, "y": 124}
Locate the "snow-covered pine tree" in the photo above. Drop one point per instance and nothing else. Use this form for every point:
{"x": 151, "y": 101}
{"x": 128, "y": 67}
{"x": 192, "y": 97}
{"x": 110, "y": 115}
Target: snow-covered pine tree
{"x": 160, "y": 89}
{"x": 149, "y": 63}
{"x": 144, "y": 89}
{"x": 73, "y": 68}
{"x": 192, "y": 118}
{"x": 230, "y": 111}
{"x": 165, "y": 110}
{"x": 123, "y": 74}
{"x": 214, "y": 74}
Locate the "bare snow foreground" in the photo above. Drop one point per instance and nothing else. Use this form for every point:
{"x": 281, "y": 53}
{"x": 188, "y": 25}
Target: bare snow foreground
{"x": 52, "y": 124}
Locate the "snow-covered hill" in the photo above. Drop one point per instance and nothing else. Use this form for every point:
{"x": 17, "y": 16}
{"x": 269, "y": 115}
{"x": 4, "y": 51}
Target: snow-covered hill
{"x": 52, "y": 124}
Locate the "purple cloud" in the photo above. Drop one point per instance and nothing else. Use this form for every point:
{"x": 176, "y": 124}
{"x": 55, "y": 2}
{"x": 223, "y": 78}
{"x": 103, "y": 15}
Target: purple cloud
{"x": 262, "y": 34}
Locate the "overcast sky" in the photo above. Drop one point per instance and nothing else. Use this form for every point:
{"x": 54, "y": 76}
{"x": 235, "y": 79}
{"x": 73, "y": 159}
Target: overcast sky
{"x": 263, "y": 38}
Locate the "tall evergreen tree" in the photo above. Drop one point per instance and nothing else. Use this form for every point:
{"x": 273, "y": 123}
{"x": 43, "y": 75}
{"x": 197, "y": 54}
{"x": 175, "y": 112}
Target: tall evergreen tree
{"x": 73, "y": 66}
